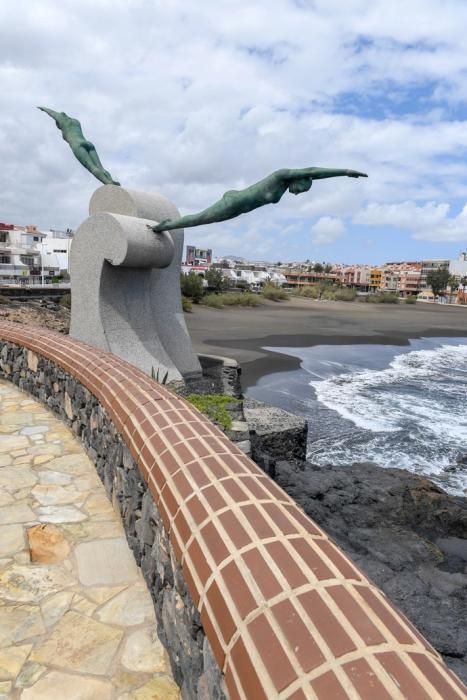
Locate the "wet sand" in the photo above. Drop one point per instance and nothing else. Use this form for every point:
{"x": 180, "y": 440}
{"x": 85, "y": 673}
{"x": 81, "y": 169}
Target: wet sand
{"x": 241, "y": 333}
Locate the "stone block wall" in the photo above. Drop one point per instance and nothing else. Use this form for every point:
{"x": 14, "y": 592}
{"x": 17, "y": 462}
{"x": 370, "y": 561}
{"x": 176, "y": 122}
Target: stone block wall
{"x": 255, "y": 601}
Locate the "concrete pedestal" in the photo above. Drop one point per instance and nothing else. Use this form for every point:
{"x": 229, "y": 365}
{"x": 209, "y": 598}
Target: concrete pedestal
{"x": 125, "y": 283}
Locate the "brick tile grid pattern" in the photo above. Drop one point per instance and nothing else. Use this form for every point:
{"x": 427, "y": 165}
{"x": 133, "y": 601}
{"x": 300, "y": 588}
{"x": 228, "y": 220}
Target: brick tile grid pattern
{"x": 286, "y": 613}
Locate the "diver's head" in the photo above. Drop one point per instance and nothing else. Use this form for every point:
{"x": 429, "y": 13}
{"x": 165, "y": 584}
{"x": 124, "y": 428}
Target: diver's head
{"x": 301, "y": 185}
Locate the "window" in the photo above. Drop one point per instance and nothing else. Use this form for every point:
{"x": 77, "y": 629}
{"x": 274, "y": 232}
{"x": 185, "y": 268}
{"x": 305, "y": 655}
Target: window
{"x": 5, "y": 259}
{"x": 28, "y": 260}
{"x": 59, "y": 250}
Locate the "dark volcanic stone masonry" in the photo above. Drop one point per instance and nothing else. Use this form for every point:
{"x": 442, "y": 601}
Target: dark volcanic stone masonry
{"x": 193, "y": 665}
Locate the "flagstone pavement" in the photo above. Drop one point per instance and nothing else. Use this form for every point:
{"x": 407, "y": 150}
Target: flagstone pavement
{"x": 76, "y": 619}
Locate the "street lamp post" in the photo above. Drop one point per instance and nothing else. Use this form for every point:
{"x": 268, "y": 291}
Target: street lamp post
{"x": 42, "y": 262}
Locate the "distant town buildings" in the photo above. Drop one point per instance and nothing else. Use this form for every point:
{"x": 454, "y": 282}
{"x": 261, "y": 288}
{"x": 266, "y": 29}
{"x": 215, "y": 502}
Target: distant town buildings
{"x": 198, "y": 256}
{"x": 405, "y": 278}
{"x": 31, "y": 256}
{"x": 55, "y": 250}
{"x": 458, "y": 267}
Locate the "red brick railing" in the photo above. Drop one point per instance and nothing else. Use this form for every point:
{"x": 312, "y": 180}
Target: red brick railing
{"x": 286, "y": 613}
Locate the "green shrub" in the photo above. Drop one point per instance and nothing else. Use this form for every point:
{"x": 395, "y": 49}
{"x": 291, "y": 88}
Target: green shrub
{"x": 186, "y": 304}
{"x": 242, "y": 284}
{"x": 332, "y": 292}
{"x": 410, "y": 300}
{"x": 218, "y": 301}
{"x": 241, "y": 299}
{"x": 214, "y": 406}
{"x": 192, "y": 286}
{"x": 383, "y": 298}
{"x": 65, "y": 300}
{"x": 270, "y": 291}
{"x": 339, "y": 294}
{"x": 214, "y": 301}
{"x": 216, "y": 280}
{"x": 308, "y": 292}
{"x": 346, "y": 294}
{"x": 4, "y": 299}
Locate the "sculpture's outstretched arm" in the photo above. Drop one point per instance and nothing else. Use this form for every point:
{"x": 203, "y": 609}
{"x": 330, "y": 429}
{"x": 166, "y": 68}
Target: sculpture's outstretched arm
{"x": 267, "y": 191}
{"x": 83, "y": 150}
{"x": 322, "y": 173}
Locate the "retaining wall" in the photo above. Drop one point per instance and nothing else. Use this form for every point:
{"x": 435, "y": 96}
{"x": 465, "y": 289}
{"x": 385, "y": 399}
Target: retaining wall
{"x": 255, "y": 601}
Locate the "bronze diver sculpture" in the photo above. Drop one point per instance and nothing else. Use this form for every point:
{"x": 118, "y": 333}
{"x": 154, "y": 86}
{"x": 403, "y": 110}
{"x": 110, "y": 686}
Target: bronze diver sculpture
{"x": 269, "y": 190}
{"x": 83, "y": 149}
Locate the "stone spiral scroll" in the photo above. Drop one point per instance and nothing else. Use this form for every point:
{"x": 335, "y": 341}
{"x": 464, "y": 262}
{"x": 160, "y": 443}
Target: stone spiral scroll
{"x": 125, "y": 283}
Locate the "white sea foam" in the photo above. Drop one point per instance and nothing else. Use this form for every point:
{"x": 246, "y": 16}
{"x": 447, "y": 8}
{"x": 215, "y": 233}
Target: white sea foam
{"x": 412, "y": 414}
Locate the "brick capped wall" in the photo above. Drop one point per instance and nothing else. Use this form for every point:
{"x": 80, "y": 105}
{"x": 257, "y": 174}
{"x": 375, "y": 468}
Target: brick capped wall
{"x": 286, "y": 613}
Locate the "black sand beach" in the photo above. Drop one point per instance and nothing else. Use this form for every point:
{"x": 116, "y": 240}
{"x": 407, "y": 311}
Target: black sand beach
{"x": 241, "y": 333}
{"x": 405, "y": 532}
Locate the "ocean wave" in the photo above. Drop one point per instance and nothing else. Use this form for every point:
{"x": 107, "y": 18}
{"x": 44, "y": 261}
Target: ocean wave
{"x": 411, "y": 414}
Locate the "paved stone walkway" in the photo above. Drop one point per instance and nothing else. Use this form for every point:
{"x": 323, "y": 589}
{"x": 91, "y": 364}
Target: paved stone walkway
{"x": 76, "y": 619}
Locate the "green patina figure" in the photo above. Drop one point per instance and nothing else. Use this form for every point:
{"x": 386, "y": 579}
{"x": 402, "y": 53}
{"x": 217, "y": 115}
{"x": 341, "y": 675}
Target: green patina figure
{"x": 269, "y": 190}
{"x": 266, "y": 191}
{"x": 84, "y": 150}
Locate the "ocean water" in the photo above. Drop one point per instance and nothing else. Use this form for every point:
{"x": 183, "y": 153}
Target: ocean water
{"x": 393, "y": 406}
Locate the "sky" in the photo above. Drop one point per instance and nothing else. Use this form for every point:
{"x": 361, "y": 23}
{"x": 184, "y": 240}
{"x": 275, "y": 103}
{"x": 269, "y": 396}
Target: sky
{"x": 193, "y": 99}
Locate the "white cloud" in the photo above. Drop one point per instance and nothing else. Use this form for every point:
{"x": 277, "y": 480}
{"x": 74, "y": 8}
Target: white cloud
{"x": 430, "y": 222}
{"x": 327, "y": 230}
{"x": 195, "y": 99}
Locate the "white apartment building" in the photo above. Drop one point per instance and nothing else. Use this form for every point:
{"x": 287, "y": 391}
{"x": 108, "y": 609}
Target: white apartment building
{"x": 19, "y": 253}
{"x": 30, "y": 256}
{"x": 429, "y": 266}
{"x": 458, "y": 267}
{"x": 55, "y": 251}
{"x": 255, "y": 278}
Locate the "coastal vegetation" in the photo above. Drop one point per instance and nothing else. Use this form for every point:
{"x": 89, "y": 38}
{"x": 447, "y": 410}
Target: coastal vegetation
{"x": 339, "y": 294}
{"x": 214, "y": 406}
{"x": 187, "y": 306}
{"x": 438, "y": 280}
{"x": 273, "y": 293}
{"x": 308, "y": 292}
{"x": 383, "y": 298}
{"x": 216, "y": 296}
{"x": 330, "y": 292}
{"x": 213, "y": 291}
{"x": 65, "y": 300}
{"x": 218, "y": 301}
{"x": 192, "y": 287}
{"x": 216, "y": 282}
